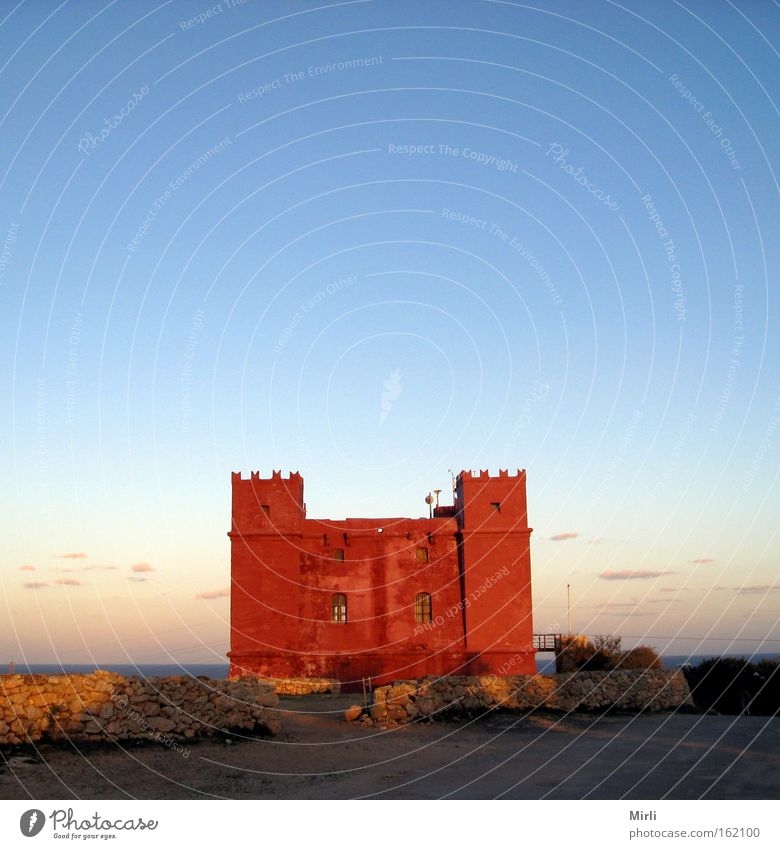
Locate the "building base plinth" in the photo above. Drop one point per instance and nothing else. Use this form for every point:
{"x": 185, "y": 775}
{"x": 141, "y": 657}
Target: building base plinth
{"x": 352, "y": 669}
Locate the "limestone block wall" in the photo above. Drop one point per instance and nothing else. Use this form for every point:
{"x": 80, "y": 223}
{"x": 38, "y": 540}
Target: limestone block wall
{"x": 632, "y": 690}
{"x": 104, "y": 705}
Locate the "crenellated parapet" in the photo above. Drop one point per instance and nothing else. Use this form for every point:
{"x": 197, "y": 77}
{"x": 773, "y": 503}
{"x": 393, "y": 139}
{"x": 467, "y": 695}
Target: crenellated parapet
{"x": 262, "y": 505}
{"x": 492, "y": 503}
{"x": 484, "y": 474}
{"x": 275, "y": 475}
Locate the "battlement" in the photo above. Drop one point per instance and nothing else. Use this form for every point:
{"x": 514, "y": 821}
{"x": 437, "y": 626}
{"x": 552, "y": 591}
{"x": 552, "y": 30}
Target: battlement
{"x": 267, "y": 504}
{"x": 484, "y": 474}
{"x": 491, "y": 503}
{"x": 275, "y": 476}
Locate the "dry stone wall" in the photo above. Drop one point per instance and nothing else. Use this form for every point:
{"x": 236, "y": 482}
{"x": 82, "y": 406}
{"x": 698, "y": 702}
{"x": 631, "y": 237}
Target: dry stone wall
{"x": 306, "y": 686}
{"x": 104, "y": 705}
{"x": 632, "y": 690}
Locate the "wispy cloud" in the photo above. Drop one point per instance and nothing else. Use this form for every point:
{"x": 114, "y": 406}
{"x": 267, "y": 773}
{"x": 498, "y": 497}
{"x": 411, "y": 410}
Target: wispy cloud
{"x": 27, "y": 568}
{"x": 141, "y": 567}
{"x": 756, "y": 589}
{"x": 625, "y": 611}
{"x": 137, "y": 580}
{"x": 34, "y": 585}
{"x": 631, "y": 574}
{"x": 616, "y": 605}
{"x": 563, "y": 536}
{"x": 68, "y": 582}
{"x": 209, "y": 594}
{"x": 702, "y": 560}
{"x": 73, "y": 555}
{"x": 631, "y": 604}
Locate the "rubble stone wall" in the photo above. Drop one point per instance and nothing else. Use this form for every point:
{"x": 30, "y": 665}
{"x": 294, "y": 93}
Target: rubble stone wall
{"x": 306, "y": 686}
{"x": 631, "y": 690}
{"x": 104, "y": 705}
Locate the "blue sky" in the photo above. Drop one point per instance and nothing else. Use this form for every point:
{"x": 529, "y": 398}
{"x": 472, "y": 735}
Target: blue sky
{"x": 375, "y": 241}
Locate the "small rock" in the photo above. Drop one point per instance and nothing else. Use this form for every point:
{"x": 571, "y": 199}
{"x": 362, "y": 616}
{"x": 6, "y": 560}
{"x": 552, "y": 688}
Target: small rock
{"x": 378, "y": 712}
{"x": 160, "y": 723}
{"x": 21, "y": 761}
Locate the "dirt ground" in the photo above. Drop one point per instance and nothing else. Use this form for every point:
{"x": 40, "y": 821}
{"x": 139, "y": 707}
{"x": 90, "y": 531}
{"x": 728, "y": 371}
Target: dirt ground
{"x": 319, "y": 756}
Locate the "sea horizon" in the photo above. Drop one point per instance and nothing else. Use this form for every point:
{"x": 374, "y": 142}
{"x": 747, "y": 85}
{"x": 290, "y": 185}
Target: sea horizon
{"x": 220, "y": 670}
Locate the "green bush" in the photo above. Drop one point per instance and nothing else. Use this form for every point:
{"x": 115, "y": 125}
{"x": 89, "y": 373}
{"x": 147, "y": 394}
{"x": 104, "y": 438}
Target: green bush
{"x": 732, "y": 685}
{"x": 576, "y": 654}
{"x": 767, "y": 699}
{"x": 604, "y": 654}
{"x": 641, "y": 657}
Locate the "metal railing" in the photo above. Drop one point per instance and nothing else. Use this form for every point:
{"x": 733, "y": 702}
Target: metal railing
{"x": 547, "y": 642}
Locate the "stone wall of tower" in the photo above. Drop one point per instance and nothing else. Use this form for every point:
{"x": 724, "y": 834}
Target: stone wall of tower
{"x": 286, "y": 570}
{"x": 496, "y": 563}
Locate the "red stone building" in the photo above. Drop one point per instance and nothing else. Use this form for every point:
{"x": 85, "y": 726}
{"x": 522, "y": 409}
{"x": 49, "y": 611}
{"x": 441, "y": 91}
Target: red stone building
{"x": 385, "y": 598}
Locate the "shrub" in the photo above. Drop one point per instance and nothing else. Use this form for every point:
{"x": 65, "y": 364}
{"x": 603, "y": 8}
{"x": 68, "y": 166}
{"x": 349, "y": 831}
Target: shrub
{"x": 641, "y": 657}
{"x": 767, "y": 698}
{"x": 579, "y": 654}
{"x": 733, "y": 685}
{"x": 607, "y": 644}
{"x": 599, "y": 660}
{"x": 575, "y": 651}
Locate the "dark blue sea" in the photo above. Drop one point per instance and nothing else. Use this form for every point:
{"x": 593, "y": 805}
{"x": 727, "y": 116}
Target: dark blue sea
{"x": 545, "y": 664}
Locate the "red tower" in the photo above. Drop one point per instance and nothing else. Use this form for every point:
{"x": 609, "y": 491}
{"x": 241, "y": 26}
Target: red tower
{"x": 389, "y": 598}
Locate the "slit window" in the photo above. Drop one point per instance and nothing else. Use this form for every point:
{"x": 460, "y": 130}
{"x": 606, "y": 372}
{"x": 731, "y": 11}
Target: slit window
{"x": 422, "y": 555}
{"x": 338, "y": 608}
{"x": 338, "y": 554}
{"x": 422, "y": 608}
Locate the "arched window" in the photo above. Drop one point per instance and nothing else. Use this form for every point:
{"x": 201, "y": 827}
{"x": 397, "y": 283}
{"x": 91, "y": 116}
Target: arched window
{"x": 422, "y": 555}
{"x": 338, "y": 554}
{"x": 422, "y": 607}
{"x": 338, "y": 608}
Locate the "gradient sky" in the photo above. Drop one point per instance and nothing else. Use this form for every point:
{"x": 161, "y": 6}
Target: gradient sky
{"x": 216, "y": 254}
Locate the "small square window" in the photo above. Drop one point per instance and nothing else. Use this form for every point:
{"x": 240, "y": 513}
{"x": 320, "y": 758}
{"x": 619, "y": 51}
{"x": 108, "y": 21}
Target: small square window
{"x": 496, "y": 505}
{"x": 267, "y": 509}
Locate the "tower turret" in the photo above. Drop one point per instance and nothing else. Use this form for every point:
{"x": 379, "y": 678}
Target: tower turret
{"x": 496, "y": 569}
{"x": 261, "y": 505}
